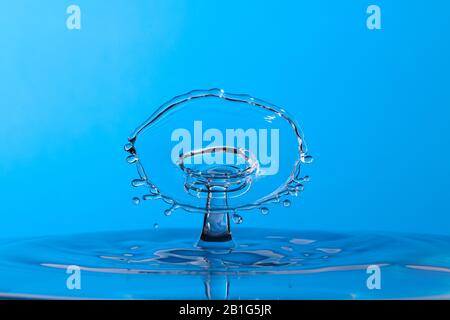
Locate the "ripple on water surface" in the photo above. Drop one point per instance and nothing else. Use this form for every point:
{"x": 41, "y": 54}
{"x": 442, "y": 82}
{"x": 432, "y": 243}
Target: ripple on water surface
{"x": 263, "y": 264}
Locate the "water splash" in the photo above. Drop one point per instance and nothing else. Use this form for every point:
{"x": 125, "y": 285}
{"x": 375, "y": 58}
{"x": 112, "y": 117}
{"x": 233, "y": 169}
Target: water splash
{"x": 216, "y": 189}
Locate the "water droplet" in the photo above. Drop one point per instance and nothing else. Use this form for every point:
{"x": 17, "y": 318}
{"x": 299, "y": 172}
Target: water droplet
{"x": 128, "y": 147}
{"x": 287, "y": 203}
{"x": 138, "y": 183}
{"x": 170, "y": 210}
{"x": 264, "y": 210}
{"x": 306, "y": 178}
{"x": 307, "y": 159}
{"x": 153, "y": 189}
{"x": 296, "y": 189}
{"x": 136, "y": 200}
{"x": 155, "y": 225}
{"x": 151, "y": 197}
{"x": 237, "y": 218}
{"x": 132, "y": 159}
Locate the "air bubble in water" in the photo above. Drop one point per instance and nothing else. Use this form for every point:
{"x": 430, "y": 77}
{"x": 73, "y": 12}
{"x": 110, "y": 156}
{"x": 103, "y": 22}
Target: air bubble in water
{"x": 136, "y": 200}
{"x": 264, "y": 210}
{"x": 155, "y": 225}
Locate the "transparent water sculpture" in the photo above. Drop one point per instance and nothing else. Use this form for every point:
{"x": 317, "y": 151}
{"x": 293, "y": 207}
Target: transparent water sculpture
{"x": 218, "y": 154}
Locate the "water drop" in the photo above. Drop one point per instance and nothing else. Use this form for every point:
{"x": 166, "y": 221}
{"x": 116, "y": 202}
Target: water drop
{"x": 307, "y": 159}
{"x": 136, "y": 200}
{"x": 237, "y": 218}
{"x": 128, "y": 147}
{"x": 264, "y": 210}
{"x": 170, "y": 210}
{"x": 153, "y": 189}
{"x": 132, "y": 159}
{"x": 286, "y": 203}
{"x": 138, "y": 183}
{"x": 296, "y": 189}
{"x": 151, "y": 197}
{"x": 155, "y": 225}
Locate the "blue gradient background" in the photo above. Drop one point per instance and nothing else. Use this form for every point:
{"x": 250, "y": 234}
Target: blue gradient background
{"x": 374, "y": 106}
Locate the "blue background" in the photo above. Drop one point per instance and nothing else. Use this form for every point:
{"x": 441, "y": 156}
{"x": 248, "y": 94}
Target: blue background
{"x": 374, "y": 106}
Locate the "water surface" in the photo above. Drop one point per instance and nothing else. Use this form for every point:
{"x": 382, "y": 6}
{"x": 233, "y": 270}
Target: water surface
{"x": 263, "y": 264}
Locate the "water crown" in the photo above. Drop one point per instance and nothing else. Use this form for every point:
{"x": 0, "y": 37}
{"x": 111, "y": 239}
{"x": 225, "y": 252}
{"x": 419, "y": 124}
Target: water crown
{"x": 218, "y": 154}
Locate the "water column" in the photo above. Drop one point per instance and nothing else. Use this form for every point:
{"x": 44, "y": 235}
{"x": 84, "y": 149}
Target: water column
{"x": 216, "y": 224}
{"x": 216, "y": 182}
